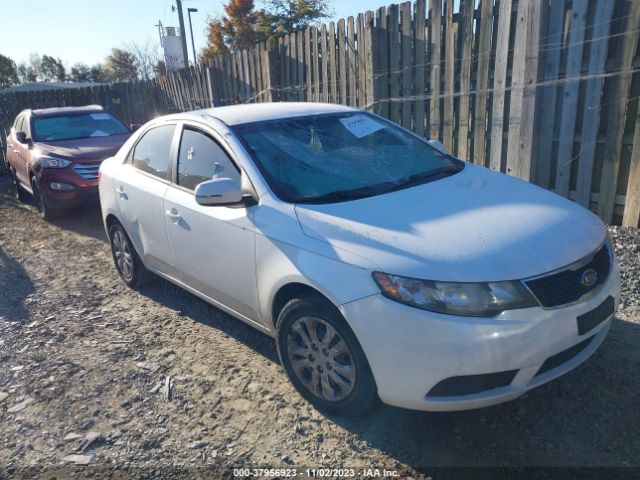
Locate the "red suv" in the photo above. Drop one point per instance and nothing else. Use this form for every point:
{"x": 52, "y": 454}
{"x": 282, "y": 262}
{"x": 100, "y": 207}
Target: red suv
{"x": 54, "y": 154}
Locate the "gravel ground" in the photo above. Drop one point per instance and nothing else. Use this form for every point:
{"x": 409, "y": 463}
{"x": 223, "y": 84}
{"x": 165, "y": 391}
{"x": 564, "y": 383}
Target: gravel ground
{"x": 81, "y": 353}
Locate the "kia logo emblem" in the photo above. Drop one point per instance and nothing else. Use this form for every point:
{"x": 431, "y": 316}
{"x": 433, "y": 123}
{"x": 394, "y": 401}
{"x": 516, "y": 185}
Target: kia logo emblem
{"x": 588, "y": 277}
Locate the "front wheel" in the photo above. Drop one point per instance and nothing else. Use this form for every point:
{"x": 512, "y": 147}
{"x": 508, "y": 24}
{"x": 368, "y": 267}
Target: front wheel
{"x": 323, "y": 358}
{"x": 18, "y": 191}
{"x": 127, "y": 261}
{"x": 44, "y": 210}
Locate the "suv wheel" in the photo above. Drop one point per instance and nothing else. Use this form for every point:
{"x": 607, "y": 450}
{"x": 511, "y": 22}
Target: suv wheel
{"x": 323, "y": 358}
{"x": 127, "y": 261}
{"x": 46, "y": 212}
{"x": 18, "y": 191}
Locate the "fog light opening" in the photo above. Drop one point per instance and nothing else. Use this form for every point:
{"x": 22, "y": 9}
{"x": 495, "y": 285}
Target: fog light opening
{"x": 61, "y": 186}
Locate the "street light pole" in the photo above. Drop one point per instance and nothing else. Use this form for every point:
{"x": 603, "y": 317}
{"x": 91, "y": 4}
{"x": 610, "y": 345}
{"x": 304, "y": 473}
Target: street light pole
{"x": 193, "y": 45}
{"x": 185, "y": 52}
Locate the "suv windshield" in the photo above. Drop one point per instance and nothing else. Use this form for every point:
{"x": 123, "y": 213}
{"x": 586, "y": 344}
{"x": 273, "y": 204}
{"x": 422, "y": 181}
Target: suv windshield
{"x": 336, "y": 157}
{"x": 74, "y": 126}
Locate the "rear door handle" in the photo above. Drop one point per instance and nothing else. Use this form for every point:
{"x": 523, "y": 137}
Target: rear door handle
{"x": 121, "y": 193}
{"x": 173, "y": 215}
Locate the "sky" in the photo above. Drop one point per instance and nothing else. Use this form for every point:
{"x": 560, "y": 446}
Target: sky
{"x": 85, "y": 31}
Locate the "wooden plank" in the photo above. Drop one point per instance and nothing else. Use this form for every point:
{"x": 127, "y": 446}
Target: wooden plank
{"x": 570, "y": 96}
{"x": 286, "y": 83}
{"x": 362, "y": 49}
{"x": 550, "y": 68}
{"x": 369, "y": 60}
{"x": 482, "y": 82}
{"x": 308, "y": 60}
{"x": 499, "y": 85}
{"x": 293, "y": 70}
{"x": 435, "y": 17}
{"x": 342, "y": 61}
{"x": 324, "y": 77}
{"x": 593, "y": 93}
{"x": 406, "y": 64}
{"x": 315, "y": 53}
{"x": 466, "y": 42}
{"x": 631, "y": 215}
{"x": 448, "y": 118}
{"x": 394, "y": 64}
{"x": 300, "y": 61}
{"x": 616, "y": 116}
{"x": 381, "y": 64}
{"x": 419, "y": 66}
{"x": 352, "y": 52}
{"x": 333, "y": 77}
{"x": 522, "y": 101}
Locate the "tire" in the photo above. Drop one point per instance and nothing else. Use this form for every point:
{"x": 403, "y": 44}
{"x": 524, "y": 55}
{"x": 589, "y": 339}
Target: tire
{"x": 334, "y": 383}
{"x": 126, "y": 259}
{"x": 45, "y": 211}
{"x": 18, "y": 191}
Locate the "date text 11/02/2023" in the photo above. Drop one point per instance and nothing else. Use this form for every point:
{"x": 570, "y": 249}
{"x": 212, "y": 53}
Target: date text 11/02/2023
{"x": 316, "y": 473}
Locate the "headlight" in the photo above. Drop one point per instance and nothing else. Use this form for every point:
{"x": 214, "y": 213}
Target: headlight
{"x": 611, "y": 244}
{"x": 468, "y": 299}
{"x": 53, "y": 162}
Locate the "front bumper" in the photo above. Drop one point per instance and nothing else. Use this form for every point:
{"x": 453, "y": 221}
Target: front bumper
{"x": 84, "y": 191}
{"x": 410, "y": 351}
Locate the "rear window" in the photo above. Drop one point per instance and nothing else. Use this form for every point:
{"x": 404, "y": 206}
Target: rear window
{"x": 74, "y": 126}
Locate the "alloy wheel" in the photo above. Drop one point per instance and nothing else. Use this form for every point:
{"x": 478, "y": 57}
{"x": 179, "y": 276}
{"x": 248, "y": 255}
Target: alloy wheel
{"x": 321, "y": 358}
{"x": 122, "y": 254}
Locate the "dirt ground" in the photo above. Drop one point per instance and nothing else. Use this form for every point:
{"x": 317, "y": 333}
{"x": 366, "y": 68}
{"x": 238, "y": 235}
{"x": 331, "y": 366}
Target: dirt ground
{"x": 81, "y": 353}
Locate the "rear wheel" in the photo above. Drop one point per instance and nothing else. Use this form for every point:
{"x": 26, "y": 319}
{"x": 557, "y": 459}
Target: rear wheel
{"x": 127, "y": 261}
{"x": 18, "y": 191}
{"x": 323, "y": 357}
{"x": 45, "y": 211}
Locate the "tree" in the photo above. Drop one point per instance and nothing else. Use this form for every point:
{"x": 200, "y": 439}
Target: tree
{"x": 52, "y": 69}
{"x": 31, "y": 71}
{"x": 8, "y": 72}
{"x": 146, "y": 58}
{"x": 80, "y": 72}
{"x": 288, "y": 16}
{"x": 242, "y": 26}
{"x": 120, "y": 66}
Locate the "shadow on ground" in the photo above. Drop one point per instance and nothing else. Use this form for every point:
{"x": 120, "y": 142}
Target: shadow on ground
{"x": 85, "y": 221}
{"x": 12, "y": 300}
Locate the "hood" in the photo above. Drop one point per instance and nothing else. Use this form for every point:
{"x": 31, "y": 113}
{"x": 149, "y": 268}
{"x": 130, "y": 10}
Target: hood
{"x": 83, "y": 149}
{"x": 476, "y": 225}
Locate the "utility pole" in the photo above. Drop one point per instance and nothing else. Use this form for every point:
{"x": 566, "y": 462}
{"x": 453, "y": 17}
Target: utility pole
{"x": 193, "y": 45}
{"x": 185, "y": 52}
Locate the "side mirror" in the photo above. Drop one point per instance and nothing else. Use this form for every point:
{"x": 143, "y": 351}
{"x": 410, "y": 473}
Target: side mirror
{"x": 437, "y": 144}
{"x": 134, "y": 126}
{"x": 21, "y": 136}
{"x": 219, "y": 191}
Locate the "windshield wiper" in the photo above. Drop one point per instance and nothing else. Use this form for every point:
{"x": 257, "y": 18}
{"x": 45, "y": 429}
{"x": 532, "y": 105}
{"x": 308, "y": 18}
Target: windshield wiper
{"x": 342, "y": 195}
{"x": 419, "y": 178}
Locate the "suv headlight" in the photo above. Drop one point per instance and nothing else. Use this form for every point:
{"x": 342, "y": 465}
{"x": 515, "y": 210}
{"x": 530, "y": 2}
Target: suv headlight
{"x": 53, "y": 162}
{"x": 454, "y": 298}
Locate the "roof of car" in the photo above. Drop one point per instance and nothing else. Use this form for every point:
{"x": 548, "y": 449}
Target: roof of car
{"x": 257, "y": 112}
{"x": 47, "y": 112}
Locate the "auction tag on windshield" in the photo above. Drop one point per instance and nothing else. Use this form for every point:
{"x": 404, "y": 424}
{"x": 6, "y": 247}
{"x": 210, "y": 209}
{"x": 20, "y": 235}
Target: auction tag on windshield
{"x": 361, "y": 125}
{"x": 100, "y": 116}
{"x": 99, "y": 133}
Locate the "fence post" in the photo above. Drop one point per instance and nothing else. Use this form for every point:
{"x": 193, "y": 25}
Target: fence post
{"x": 272, "y": 71}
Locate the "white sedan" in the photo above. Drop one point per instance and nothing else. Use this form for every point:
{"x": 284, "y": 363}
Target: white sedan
{"x": 383, "y": 266}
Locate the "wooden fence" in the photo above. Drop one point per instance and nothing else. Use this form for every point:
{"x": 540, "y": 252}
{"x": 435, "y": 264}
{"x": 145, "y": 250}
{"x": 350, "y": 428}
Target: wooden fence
{"x": 546, "y": 90}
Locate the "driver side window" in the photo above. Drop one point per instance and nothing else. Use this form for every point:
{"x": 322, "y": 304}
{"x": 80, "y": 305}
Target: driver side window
{"x": 201, "y": 159}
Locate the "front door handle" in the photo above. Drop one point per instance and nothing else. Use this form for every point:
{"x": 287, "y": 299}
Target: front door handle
{"x": 173, "y": 215}
{"x": 121, "y": 193}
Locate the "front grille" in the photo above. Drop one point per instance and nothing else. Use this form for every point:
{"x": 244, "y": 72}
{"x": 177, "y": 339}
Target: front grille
{"x": 88, "y": 171}
{"x": 565, "y": 286}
